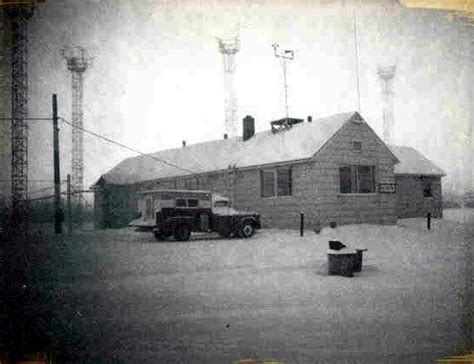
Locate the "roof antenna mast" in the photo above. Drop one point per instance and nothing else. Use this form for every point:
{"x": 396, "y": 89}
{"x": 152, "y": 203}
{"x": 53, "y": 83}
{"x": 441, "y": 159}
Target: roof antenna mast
{"x": 78, "y": 61}
{"x": 284, "y": 55}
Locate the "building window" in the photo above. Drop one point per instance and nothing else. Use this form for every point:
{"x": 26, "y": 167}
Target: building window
{"x": 427, "y": 187}
{"x": 357, "y": 179}
{"x": 277, "y": 182}
{"x": 193, "y": 202}
{"x": 180, "y": 202}
{"x": 284, "y": 182}
{"x": 149, "y": 209}
{"x": 356, "y": 145}
{"x": 191, "y": 184}
{"x": 268, "y": 183}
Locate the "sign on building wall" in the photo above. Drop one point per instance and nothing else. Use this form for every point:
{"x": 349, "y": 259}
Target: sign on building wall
{"x": 387, "y": 187}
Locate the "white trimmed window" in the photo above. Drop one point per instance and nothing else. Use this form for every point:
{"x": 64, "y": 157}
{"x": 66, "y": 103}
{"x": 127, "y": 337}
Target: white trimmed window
{"x": 357, "y": 179}
{"x": 276, "y": 182}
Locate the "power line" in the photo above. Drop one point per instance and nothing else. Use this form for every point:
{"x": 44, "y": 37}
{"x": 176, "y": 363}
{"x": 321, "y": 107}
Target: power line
{"x": 31, "y": 180}
{"x": 62, "y": 193}
{"x": 127, "y": 147}
{"x": 30, "y": 119}
{"x": 44, "y": 189}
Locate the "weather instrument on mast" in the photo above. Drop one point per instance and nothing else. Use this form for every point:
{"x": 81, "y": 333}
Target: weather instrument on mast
{"x": 284, "y": 56}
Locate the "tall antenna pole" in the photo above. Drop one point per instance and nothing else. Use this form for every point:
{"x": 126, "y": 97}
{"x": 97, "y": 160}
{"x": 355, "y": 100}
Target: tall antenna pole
{"x": 229, "y": 47}
{"x": 286, "y": 55}
{"x": 57, "y": 171}
{"x": 386, "y": 74}
{"x": 77, "y": 62}
{"x": 356, "y": 50}
{"x": 19, "y": 15}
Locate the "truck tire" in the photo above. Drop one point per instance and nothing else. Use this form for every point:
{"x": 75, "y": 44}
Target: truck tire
{"x": 182, "y": 232}
{"x": 246, "y": 229}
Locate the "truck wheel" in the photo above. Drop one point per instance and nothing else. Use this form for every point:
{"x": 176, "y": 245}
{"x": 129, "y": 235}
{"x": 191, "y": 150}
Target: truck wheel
{"x": 182, "y": 232}
{"x": 246, "y": 230}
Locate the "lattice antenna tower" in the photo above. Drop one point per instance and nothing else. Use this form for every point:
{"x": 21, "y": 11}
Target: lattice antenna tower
{"x": 284, "y": 56}
{"x": 386, "y": 75}
{"x": 229, "y": 47}
{"x": 78, "y": 61}
{"x": 19, "y": 16}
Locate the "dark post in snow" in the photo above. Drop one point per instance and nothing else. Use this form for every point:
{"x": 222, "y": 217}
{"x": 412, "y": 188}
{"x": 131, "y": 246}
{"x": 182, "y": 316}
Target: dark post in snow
{"x": 301, "y": 223}
{"x": 69, "y": 208}
{"x": 57, "y": 183}
{"x": 428, "y": 220}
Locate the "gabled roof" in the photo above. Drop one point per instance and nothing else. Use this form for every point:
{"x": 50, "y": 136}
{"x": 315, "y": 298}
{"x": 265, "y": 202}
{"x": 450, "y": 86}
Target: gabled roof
{"x": 413, "y": 162}
{"x": 302, "y": 141}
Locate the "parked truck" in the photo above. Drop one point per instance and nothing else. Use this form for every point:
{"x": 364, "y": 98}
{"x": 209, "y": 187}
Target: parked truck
{"x": 179, "y": 213}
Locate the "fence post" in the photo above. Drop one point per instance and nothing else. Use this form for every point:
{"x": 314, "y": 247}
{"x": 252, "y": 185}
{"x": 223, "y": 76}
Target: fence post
{"x": 301, "y": 223}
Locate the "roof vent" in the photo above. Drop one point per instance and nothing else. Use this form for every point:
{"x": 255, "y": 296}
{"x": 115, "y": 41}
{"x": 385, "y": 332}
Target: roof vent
{"x": 284, "y": 124}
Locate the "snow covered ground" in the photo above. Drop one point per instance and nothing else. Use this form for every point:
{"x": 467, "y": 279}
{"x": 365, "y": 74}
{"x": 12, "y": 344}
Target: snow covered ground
{"x": 119, "y": 295}
{"x": 464, "y": 215}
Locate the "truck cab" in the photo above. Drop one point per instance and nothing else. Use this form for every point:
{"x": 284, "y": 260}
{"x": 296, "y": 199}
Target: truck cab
{"x": 178, "y": 213}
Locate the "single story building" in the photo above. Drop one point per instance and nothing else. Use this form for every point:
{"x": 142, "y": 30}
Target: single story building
{"x": 334, "y": 169}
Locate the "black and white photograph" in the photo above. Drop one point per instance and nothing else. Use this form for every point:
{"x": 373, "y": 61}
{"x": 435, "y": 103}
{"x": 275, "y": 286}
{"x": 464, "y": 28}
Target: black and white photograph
{"x": 236, "y": 181}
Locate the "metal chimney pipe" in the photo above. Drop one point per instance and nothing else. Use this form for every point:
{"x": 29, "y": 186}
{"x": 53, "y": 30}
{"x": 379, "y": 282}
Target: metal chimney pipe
{"x": 248, "y": 127}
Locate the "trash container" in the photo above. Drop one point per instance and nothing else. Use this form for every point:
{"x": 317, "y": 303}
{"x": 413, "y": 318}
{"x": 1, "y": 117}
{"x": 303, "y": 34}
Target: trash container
{"x": 341, "y": 262}
{"x": 358, "y": 260}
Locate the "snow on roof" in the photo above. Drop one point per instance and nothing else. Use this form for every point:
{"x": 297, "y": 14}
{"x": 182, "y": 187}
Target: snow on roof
{"x": 413, "y": 162}
{"x": 301, "y": 142}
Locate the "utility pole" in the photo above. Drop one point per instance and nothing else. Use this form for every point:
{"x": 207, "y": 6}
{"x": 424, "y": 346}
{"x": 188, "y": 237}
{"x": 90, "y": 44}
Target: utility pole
{"x": 69, "y": 208}
{"x": 285, "y": 55}
{"x": 57, "y": 176}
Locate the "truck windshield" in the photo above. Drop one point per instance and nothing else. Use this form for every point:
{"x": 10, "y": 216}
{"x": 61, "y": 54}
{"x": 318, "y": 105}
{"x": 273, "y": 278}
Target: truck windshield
{"x": 222, "y": 203}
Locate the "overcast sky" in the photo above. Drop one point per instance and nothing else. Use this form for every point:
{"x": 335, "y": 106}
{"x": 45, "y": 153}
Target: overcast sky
{"x": 157, "y": 75}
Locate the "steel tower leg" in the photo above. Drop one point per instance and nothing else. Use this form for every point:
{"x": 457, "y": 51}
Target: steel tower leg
{"x": 77, "y": 139}
{"x": 19, "y": 129}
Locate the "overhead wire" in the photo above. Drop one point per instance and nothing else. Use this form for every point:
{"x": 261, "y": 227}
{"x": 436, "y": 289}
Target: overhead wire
{"x": 126, "y": 146}
{"x": 43, "y": 189}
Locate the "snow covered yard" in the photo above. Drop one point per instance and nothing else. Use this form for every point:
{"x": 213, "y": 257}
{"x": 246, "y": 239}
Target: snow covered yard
{"x": 462, "y": 215}
{"x": 119, "y": 295}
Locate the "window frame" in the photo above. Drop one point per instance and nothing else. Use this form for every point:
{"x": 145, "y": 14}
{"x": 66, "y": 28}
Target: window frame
{"x": 355, "y": 180}
{"x": 355, "y": 142}
{"x": 276, "y": 185}
{"x": 426, "y": 185}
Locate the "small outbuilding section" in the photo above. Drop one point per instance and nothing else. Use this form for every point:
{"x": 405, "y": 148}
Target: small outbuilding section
{"x": 418, "y": 184}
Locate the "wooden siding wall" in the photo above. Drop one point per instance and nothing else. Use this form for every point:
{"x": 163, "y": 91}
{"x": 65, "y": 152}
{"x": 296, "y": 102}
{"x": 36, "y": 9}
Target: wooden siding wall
{"x": 410, "y": 199}
{"x": 377, "y": 208}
